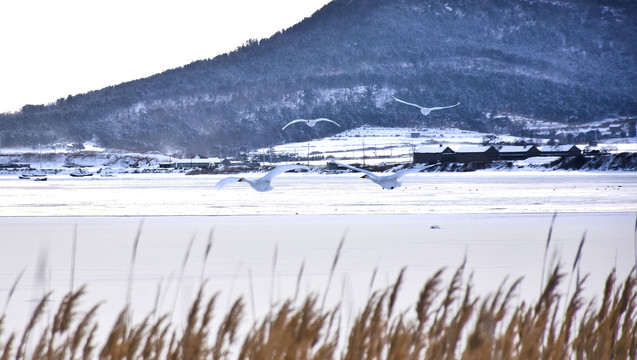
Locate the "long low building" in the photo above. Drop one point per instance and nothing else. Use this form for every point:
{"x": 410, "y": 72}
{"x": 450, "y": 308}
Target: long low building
{"x": 189, "y": 163}
{"x": 560, "y": 150}
{"x": 432, "y": 154}
{"x": 476, "y": 153}
{"x": 513, "y": 152}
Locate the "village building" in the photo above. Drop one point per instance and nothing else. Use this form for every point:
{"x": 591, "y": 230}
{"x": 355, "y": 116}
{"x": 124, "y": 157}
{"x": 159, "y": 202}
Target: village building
{"x": 560, "y": 150}
{"x": 189, "y": 164}
{"x": 512, "y": 152}
{"x": 477, "y": 153}
{"x": 433, "y": 154}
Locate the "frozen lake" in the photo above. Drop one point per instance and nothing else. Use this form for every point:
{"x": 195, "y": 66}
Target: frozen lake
{"x": 499, "y": 220}
{"x": 326, "y": 194}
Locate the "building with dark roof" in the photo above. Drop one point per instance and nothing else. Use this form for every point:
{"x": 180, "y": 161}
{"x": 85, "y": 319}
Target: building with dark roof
{"x": 512, "y": 152}
{"x": 560, "y": 150}
{"x": 477, "y": 153}
{"x": 433, "y": 154}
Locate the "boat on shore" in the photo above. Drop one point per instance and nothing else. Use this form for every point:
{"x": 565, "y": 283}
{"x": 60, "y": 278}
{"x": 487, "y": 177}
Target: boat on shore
{"x": 81, "y": 173}
{"x": 32, "y": 176}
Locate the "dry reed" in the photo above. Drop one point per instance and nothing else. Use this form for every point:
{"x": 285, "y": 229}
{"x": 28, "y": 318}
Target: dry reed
{"x": 447, "y": 323}
{"x": 444, "y": 323}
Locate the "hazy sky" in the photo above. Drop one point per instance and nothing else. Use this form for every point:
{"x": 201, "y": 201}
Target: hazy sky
{"x": 52, "y": 49}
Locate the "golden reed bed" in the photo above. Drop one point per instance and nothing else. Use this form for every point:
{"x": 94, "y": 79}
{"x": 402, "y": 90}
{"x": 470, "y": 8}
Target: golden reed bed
{"x": 444, "y": 322}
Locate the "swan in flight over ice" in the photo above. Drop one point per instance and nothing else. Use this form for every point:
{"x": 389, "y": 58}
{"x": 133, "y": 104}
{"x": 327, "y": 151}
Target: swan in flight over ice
{"x": 310, "y": 123}
{"x": 388, "y": 182}
{"x": 263, "y": 183}
{"x": 425, "y": 110}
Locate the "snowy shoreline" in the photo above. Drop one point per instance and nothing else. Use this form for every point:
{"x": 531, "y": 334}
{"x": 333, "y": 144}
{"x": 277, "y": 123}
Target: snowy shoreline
{"x": 311, "y": 193}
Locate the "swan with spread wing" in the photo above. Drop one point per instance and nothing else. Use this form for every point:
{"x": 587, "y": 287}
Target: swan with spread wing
{"x": 388, "y": 182}
{"x": 310, "y": 122}
{"x": 425, "y": 110}
{"x": 261, "y": 184}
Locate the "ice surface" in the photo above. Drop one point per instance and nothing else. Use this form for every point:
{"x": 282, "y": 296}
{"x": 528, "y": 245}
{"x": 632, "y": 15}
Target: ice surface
{"x": 318, "y": 193}
{"x": 241, "y": 260}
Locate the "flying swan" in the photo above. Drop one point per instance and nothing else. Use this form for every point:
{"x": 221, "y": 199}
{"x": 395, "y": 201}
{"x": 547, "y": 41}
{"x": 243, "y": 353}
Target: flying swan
{"x": 261, "y": 184}
{"x": 425, "y": 110}
{"x": 388, "y": 182}
{"x": 310, "y": 123}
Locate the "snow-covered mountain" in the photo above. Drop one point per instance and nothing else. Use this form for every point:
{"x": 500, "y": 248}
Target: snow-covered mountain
{"x": 567, "y": 61}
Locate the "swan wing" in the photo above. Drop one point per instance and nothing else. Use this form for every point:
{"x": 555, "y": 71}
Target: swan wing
{"x": 280, "y": 170}
{"x": 442, "y": 107}
{"x": 368, "y": 173}
{"x": 226, "y": 181}
{"x": 292, "y": 122}
{"x": 405, "y": 102}
{"x": 401, "y": 173}
{"x": 325, "y": 119}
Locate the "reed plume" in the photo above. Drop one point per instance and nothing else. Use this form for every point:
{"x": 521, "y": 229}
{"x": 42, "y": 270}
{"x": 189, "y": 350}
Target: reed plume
{"x": 10, "y": 293}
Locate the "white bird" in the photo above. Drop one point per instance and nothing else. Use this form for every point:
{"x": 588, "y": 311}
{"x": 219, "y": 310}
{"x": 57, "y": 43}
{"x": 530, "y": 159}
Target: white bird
{"x": 425, "y": 110}
{"x": 388, "y": 182}
{"x": 310, "y": 122}
{"x": 261, "y": 184}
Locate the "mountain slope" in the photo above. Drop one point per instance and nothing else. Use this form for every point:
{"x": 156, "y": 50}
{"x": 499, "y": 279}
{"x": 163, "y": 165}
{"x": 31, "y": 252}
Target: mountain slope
{"x": 567, "y": 60}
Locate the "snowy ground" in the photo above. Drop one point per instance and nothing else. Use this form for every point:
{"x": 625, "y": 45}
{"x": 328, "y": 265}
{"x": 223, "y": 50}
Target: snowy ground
{"x": 395, "y": 145}
{"x": 499, "y": 220}
{"x": 364, "y": 145}
{"x": 378, "y": 144}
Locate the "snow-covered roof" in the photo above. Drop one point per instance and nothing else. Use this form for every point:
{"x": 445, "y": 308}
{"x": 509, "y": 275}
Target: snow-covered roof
{"x": 430, "y": 149}
{"x": 515, "y": 148}
{"x": 558, "y": 148}
{"x": 473, "y": 149}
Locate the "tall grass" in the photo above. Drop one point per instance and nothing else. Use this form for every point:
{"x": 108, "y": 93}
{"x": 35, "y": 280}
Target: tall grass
{"x": 445, "y": 322}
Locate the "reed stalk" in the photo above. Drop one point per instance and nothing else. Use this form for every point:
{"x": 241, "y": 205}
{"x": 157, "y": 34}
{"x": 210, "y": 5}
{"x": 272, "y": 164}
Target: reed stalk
{"x": 73, "y": 253}
{"x": 184, "y": 262}
{"x": 131, "y": 269}
{"x": 10, "y": 293}
{"x": 273, "y": 273}
{"x": 298, "y": 281}
{"x": 546, "y": 250}
{"x": 332, "y": 269}
{"x": 206, "y": 254}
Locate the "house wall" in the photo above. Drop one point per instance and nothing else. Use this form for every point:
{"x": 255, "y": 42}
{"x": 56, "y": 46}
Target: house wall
{"x": 488, "y": 155}
{"x": 427, "y": 157}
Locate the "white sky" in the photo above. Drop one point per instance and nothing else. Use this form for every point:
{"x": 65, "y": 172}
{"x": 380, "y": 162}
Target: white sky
{"x": 52, "y": 49}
